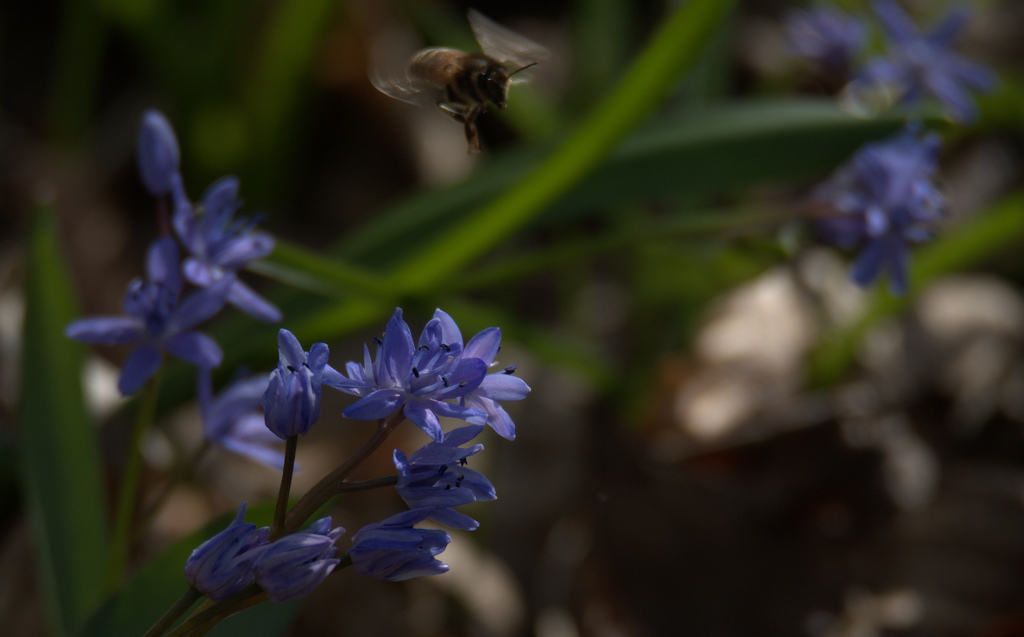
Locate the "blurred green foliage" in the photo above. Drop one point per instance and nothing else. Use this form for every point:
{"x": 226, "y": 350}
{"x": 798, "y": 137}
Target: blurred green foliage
{"x": 238, "y": 79}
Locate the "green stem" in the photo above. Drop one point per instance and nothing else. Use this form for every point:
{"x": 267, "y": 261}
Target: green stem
{"x": 183, "y": 471}
{"x": 120, "y": 547}
{"x": 281, "y": 509}
{"x": 174, "y": 613}
{"x": 208, "y": 617}
{"x": 333, "y": 483}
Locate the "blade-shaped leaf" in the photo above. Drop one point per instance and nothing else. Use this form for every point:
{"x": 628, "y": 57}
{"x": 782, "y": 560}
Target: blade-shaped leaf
{"x": 61, "y": 468}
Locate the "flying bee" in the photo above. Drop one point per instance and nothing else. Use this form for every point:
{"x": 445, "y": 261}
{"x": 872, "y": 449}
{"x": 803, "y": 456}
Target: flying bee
{"x": 462, "y": 83}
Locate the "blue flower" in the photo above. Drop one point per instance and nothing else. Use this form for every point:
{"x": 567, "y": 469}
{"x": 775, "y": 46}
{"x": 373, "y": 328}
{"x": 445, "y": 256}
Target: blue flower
{"x": 223, "y": 565}
{"x": 233, "y": 419}
{"x": 436, "y": 476}
{"x": 158, "y": 154}
{"x": 921, "y": 64}
{"x": 394, "y": 550}
{"x": 881, "y": 201}
{"x": 156, "y": 321}
{"x": 415, "y": 378}
{"x": 291, "y": 403}
{"x": 220, "y": 245}
{"x": 494, "y": 387}
{"x": 294, "y": 565}
{"x": 826, "y": 36}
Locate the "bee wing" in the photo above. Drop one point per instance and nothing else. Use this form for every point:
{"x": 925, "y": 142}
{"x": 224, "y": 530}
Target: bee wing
{"x": 506, "y": 46}
{"x": 402, "y": 87}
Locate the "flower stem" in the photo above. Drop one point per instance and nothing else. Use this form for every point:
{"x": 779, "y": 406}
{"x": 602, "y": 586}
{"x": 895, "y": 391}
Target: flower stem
{"x": 207, "y": 618}
{"x": 281, "y": 509}
{"x": 172, "y": 615}
{"x": 333, "y": 483}
{"x": 121, "y": 542}
{"x": 181, "y": 472}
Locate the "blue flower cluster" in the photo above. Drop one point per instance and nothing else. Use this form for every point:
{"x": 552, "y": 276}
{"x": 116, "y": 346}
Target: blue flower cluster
{"x": 825, "y": 36}
{"x": 421, "y": 377}
{"x": 915, "y": 64}
{"x": 414, "y": 381}
{"x": 422, "y": 381}
{"x": 884, "y": 199}
{"x": 881, "y": 201}
{"x": 157, "y": 319}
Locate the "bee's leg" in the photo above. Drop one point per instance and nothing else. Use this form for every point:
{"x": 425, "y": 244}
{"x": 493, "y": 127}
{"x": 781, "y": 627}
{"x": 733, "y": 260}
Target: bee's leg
{"x": 466, "y": 115}
{"x": 456, "y": 111}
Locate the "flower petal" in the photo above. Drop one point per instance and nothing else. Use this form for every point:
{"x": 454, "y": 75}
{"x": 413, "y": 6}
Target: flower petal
{"x": 376, "y": 404}
{"x": 503, "y": 387}
{"x": 425, "y": 419}
{"x": 484, "y": 345}
{"x": 450, "y": 333}
{"x": 105, "y": 330}
{"x": 142, "y": 363}
{"x": 196, "y": 348}
{"x": 199, "y": 306}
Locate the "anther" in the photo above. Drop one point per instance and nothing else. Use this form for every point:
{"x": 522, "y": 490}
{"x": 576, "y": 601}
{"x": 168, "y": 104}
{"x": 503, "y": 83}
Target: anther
{"x": 511, "y": 369}
{"x": 415, "y": 372}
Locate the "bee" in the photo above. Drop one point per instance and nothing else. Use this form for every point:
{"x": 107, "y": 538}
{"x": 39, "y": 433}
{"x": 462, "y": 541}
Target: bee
{"x": 462, "y": 83}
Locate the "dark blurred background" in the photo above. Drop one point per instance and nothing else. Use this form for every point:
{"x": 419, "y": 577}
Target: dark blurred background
{"x": 701, "y": 482}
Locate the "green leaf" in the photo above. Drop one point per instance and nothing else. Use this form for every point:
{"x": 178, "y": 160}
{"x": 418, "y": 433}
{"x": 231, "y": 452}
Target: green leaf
{"x": 61, "y": 468}
{"x": 161, "y": 581}
{"x": 673, "y": 50}
{"x": 689, "y": 152}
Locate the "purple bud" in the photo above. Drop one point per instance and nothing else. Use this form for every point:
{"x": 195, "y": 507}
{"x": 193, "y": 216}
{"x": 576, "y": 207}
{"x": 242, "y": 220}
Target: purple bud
{"x": 158, "y": 153}
{"x": 296, "y": 564}
{"x": 223, "y": 565}
{"x": 292, "y": 402}
{"x": 394, "y": 550}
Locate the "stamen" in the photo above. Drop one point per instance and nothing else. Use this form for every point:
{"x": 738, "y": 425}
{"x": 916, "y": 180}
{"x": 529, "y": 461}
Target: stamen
{"x": 446, "y": 348}
{"x": 378, "y": 340}
{"x": 415, "y": 372}
{"x": 511, "y": 369}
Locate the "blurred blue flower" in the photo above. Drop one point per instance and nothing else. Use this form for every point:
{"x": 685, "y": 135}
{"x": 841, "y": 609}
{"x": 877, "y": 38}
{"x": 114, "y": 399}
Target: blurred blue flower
{"x": 825, "y": 36}
{"x": 220, "y": 245}
{"x": 291, "y": 403}
{"x": 158, "y": 154}
{"x": 494, "y": 387}
{"x": 156, "y": 321}
{"x": 234, "y": 420}
{"x": 394, "y": 550}
{"x": 435, "y": 476}
{"x": 223, "y": 565}
{"x": 881, "y": 201}
{"x": 294, "y": 565}
{"x": 415, "y": 378}
{"x": 921, "y": 64}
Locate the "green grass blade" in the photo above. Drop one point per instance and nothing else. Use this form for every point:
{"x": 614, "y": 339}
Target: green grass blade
{"x": 61, "y": 469}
